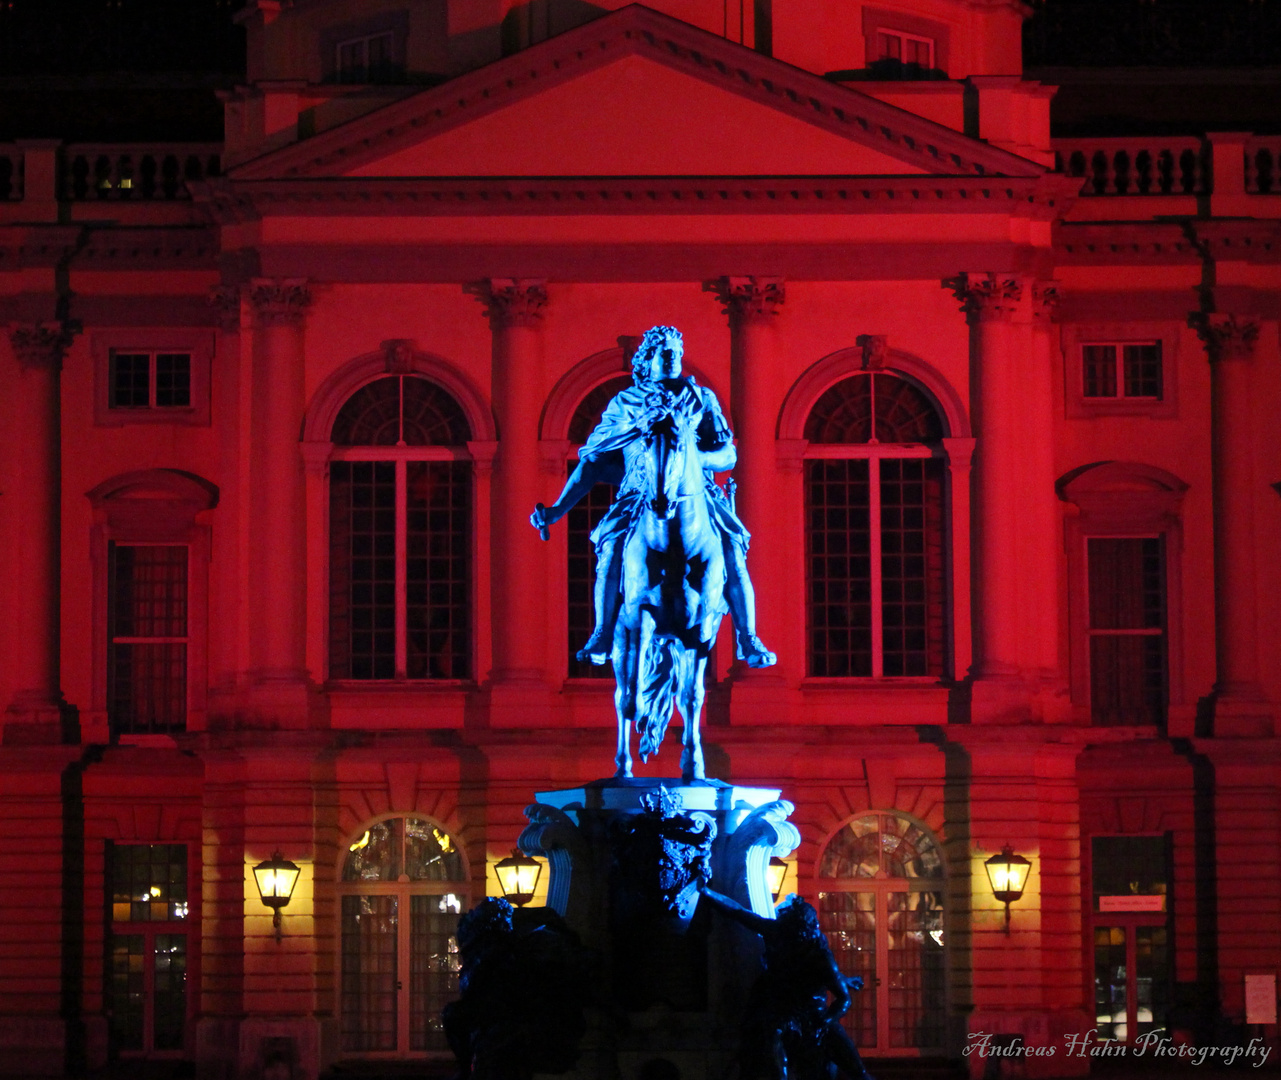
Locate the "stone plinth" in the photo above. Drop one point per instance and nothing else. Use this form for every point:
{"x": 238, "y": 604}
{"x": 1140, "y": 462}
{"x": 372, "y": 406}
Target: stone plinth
{"x": 671, "y": 982}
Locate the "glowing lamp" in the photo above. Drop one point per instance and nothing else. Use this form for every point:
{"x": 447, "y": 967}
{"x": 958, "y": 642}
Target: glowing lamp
{"x": 276, "y": 878}
{"x": 776, "y": 874}
{"x": 518, "y": 877}
{"x": 1007, "y": 873}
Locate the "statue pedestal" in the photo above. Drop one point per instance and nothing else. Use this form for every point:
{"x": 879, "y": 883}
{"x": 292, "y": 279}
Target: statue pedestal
{"x": 627, "y": 857}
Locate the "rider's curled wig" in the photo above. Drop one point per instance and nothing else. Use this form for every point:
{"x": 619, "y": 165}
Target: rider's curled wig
{"x": 653, "y": 340}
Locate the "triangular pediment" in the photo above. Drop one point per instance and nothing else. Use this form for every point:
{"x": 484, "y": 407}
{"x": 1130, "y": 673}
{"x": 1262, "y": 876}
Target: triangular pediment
{"x": 636, "y": 93}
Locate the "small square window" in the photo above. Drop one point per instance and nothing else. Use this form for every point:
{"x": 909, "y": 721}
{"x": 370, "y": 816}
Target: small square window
{"x": 150, "y": 380}
{"x": 366, "y": 59}
{"x": 152, "y": 376}
{"x": 1130, "y": 369}
{"x": 905, "y": 48}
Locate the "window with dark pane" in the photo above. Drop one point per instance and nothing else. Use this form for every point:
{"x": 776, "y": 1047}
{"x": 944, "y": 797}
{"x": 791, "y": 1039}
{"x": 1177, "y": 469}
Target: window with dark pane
{"x": 1098, "y": 369}
{"x": 875, "y": 531}
{"x": 130, "y": 375}
{"x": 362, "y": 558}
{"x": 1122, "y": 369}
{"x": 1142, "y": 363}
{"x": 400, "y": 535}
{"x": 1127, "y": 630}
{"x": 839, "y": 559}
{"x": 173, "y": 380}
{"x": 1130, "y": 866}
{"x": 581, "y": 520}
{"x": 912, "y": 595}
{"x": 147, "y": 638}
{"x": 149, "y": 380}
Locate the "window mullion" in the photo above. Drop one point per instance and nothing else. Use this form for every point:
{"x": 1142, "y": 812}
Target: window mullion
{"x": 874, "y": 533}
{"x": 402, "y": 533}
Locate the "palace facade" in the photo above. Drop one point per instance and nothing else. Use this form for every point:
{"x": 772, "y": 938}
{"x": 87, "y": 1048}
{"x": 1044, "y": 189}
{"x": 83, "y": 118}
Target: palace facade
{"x": 277, "y": 411}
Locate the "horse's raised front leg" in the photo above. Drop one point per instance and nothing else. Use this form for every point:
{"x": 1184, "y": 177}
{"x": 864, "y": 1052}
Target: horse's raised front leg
{"x": 693, "y": 665}
{"x": 625, "y": 656}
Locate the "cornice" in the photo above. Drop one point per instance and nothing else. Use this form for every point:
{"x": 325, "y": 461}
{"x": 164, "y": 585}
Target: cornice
{"x": 635, "y": 30}
{"x": 23, "y": 246}
{"x": 1167, "y": 242}
{"x": 173, "y": 247}
{"x": 1040, "y": 197}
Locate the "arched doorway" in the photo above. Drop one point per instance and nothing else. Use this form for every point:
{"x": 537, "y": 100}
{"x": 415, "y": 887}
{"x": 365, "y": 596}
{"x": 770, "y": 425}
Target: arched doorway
{"x": 881, "y": 906}
{"x": 403, "y": 887}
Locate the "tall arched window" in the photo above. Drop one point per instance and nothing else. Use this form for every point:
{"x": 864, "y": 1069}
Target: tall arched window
{"x": 581, "y": 521}
{"x": 874, "y": 511}
{"x": 881, "y": 906}
{"x": 400, "y": 534}
{"x": 404, "y": 885}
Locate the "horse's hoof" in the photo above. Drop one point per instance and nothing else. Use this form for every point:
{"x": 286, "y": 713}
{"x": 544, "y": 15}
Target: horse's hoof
{"x": 752, "y": 650}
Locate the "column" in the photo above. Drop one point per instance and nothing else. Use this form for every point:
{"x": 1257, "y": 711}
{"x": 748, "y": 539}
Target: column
{"x": 34, "y": 545}
{"x": 753, "y": 305}
{"x": 991, "y": 302}
{"x": 1229, "y": 342}
{"x": 277, "y": 562}
{"x": 1041, "y": 527}
{"x": 517, "y": 557}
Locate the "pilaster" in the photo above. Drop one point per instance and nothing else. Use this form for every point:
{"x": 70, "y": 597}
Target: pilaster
{"x": 34, "y": 548}
{"x": 277, "y": 570}
{"x": 1229, "y": 341}
{"x": 519, "y": 678}
{"x": 754, "y": 306}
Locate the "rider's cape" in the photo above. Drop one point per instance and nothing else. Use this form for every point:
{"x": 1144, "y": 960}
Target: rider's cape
{"x": 619, "y": 434}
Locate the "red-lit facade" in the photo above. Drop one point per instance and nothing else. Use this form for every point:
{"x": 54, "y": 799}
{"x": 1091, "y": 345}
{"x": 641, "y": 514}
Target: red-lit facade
{"x": 274, "y": 428}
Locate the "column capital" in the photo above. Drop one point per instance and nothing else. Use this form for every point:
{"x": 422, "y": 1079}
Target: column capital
{"x": 225, "y": 300}
{"x": 515, "y": 301}
{"x": 42, "y": 345}
{"x": 279, "y": 301}
{"x": 751, "y": 299}
{"x": 987, "y": 297}
{"x": 1045, "y": 298}
{"x": 1226, "y": 336}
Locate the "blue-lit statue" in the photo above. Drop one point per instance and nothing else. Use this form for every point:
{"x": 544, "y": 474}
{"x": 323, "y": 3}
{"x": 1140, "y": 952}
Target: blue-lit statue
{"x": 671, "y": 553}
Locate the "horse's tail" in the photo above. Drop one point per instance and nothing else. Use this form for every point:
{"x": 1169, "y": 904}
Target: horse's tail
{"x": 657, "y": 693}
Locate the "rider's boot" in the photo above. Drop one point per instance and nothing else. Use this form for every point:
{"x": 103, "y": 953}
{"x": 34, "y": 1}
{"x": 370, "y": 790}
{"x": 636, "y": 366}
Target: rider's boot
{"x": 596, "y": 651}
{"x": 752, "y": 649}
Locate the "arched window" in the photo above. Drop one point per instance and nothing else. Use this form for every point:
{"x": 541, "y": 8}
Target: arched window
{"x": 581, "y": 521}
{"x": 404, "y": 885}
{"x": 874, "y": 511}
{"x": 400, "y": 534}
{"x": 881, "y": 906}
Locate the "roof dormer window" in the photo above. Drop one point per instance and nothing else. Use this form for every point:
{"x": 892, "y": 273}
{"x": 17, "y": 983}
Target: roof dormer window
{"x": 366, "y": 59}
{"x": 905, "y": 48}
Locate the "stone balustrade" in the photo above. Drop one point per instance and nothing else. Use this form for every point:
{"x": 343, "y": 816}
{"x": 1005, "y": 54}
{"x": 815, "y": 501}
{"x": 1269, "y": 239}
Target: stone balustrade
{"x": 1137, "y": 166}
{"x": 1263, "y": 165}
{"x": 10, "y": 172}
{"x": 142, "y": 171}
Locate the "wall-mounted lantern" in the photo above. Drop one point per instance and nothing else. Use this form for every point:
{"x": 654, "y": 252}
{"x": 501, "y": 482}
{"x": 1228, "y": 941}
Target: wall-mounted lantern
{"x": 276, "y": 878}
{"x": 518, "y": 877}
{"x": 776, "y": 874}
{"x": 1007, "y": 873}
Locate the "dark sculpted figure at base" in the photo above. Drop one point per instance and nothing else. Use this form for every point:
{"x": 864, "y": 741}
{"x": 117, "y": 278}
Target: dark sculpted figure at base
{"x": 790, "y": 1029}
{"x": 671, "y": 554}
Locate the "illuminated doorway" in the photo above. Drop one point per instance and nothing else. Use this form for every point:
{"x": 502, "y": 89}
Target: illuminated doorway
{"x": 404, "y": 884}
{"x": 881, "y": 888}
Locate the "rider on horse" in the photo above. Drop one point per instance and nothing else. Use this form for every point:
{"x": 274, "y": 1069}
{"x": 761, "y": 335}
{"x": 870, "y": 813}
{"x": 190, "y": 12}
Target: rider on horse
{"x": 613, "y": 455}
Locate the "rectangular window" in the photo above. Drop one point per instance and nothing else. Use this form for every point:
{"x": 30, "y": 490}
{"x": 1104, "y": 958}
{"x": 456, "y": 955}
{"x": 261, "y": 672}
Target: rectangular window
{"x": 1127, "y": 630}
{"x": 876, "y": 602}
{"x": 147, "y": 638}
{"x": 399, "y": 598}
{"x": 1121, "y": 370}
{"x": 149, "y": 380}
{"x": 147, "y": 965}
{"x": 365, "y": 59}
{"x": 905, "y": 48}
{"x": 582, "y": 519}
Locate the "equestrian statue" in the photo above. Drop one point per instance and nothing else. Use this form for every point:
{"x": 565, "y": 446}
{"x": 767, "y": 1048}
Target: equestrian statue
{"x": 671, "y": 554}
